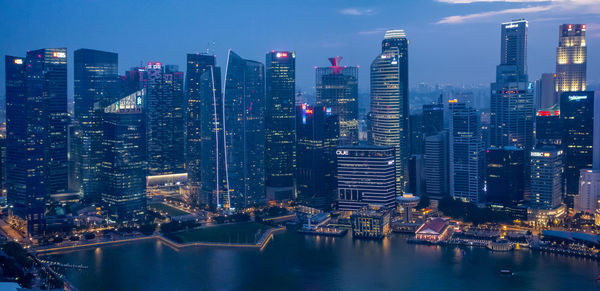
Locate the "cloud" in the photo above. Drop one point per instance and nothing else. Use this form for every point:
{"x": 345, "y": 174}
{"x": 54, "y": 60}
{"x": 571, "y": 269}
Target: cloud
{"x": 555, "y": 7}
{"x": 373, "y": 31}
{"x": 490, "y": 1}
{"x": 465, "y": 18}
{"x": 357, "y": 11}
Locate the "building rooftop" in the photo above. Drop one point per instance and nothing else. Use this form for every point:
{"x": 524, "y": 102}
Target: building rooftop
{"x": 433, "y": 226}
{"x": 395, "y": 33}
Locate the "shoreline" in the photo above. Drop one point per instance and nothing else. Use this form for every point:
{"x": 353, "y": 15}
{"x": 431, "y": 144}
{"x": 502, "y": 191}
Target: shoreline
{"x": 261, "y": 244}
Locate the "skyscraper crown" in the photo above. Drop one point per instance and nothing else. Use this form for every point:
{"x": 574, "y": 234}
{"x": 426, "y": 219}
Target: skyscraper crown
{"x": 395, "y": 33}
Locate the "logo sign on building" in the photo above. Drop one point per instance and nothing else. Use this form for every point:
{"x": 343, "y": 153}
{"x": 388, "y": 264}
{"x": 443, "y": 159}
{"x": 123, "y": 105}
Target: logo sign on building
{"x": 341, "y": 152}
{"x": 577, "y": 97}
{"x": 59, "y": 55}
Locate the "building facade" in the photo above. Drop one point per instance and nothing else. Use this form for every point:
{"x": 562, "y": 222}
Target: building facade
{"x": 435, "y": 165}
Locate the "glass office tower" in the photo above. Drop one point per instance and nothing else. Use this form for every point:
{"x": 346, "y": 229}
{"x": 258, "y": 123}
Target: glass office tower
{"x": 123, "y": 169}
{"x": 280, "y": 125}
{"x": 244, "y": 127}
{"x": 337, "y": 88}
{"x": 389, "y": 102}
{"x": 96, "y": 86}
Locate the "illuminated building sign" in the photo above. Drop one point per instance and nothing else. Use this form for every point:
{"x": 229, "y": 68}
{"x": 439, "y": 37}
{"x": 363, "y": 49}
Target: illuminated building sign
{"x": 577, "y": 97}
{"x": 154, "y": 65}
{"x": 453, "y": 101}
{"x": 513, "y": 25}
{"x": 282, "y": 55}
{"x": 59, "y": 55}
{"x": 19, "y": 61}
{"x": 341, "y": 152}
{"x": 537, "y": 154}
{"x": 548, "y": 113}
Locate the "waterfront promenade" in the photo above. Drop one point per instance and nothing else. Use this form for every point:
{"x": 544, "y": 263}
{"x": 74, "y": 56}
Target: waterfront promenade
{"x": 260, "y": 245}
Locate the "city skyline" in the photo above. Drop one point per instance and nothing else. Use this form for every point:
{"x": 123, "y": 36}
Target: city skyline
{"x": 351, "y": 31}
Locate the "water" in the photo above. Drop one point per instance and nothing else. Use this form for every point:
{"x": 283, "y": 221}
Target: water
{"x": 296, "y": 262}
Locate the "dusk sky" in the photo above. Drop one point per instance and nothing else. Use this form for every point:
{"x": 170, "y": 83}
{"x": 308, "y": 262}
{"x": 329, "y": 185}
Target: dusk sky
{"x": 451, "y": 41}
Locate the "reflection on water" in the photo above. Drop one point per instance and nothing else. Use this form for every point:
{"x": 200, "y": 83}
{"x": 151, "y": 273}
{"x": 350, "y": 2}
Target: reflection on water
{"x": 294, "y": 261}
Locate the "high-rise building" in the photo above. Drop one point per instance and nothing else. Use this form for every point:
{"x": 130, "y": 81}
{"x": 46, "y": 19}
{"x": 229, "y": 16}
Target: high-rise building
{"x": 577, "y": 112}
{"x": 511, "y": 108}
{"x": 435, "y": 164}
{"x": 317, "y": 133}
{"x": 123, "y": 169}
{"x": 197, "y": 65}
{"x": 213, "y": 168}
{"x": 548, "y": 127}
{"x": 513, "y": 48}
{"x": 96, "y": 86}
{"x": 174, "y": 86}
{"x": 337, "y": 88}
{"x": 244, "y": 128}
{"x": 505, "y": 175}
{"x": 588, "y": 198}
{"x": 466, "y": 153}
{"x": 546, "y": 177}
{"x": 571, "y": 58}
{"x": 389, "y": 102}
{"x": 366, "y": 177}
{"x": 545, "y": 91}
{"x": 433, "y": 119}
{"x": 37, "y": 137}
{"x": 280, "y": 125}
{"x": 163, "y": 100}
{"x": 416, "y": 136}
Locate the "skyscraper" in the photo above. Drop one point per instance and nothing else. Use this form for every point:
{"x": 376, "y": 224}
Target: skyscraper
{"x": 466, "y": 153}
{"x": 389, "y": 101}
{"x": 588, "y": 198}
{"x": 545, "y": 91}
{"x": 174, "y": 86}
{"x": 197, "y": 65}
{"x": 571, "y": 58}
{"x": 123, "y": 169}
{"x": 513, "y": 49}
{"x": 548, "y": 127}
{"x": 577, "y": 113}
{"x": 337, "y": 88}
{"x": 433, "y": 119}
{"x": 511, "y": 107}
{"x": 244, "y": 127}
{"x": 317, "y": 138}
{"x": 47, "y": 79}
{"x": 366, "y": 177}
{"x": 96, "y": 86}
{"x": 546, "y": 177}
{"x": 280, "y": 125}
{"x": 435, "y": 164}
{"x": 36, "y": 105}
{"x": 505, "y": 175}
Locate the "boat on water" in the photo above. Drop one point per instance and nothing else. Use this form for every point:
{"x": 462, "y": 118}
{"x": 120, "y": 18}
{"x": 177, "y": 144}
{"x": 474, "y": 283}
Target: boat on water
{"x": 506, "y": 272}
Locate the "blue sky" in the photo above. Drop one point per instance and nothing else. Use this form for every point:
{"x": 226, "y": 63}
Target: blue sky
{"x": 451, "y": 41}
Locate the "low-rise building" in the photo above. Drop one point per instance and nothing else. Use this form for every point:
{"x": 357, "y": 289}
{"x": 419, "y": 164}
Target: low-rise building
{"x": 370, "y": 223}
{"x": 434, "y": 230}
